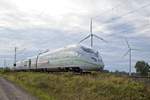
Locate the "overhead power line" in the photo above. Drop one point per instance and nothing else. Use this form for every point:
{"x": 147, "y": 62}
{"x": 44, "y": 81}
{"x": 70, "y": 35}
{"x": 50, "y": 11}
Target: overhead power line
{"x": 131, "y": 28}
{"x": 107, "y": 11}
{"x": 126, "y": 14}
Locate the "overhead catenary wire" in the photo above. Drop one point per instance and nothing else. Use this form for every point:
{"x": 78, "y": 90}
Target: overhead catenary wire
{"x": 123, "y": 15}
{"x": 107, "y": 11}
{"x": 124, "y": 31}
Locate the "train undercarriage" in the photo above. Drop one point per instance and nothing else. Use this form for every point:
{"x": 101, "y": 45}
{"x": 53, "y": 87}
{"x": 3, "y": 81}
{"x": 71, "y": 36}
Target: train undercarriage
{"x": 58, "y": 69}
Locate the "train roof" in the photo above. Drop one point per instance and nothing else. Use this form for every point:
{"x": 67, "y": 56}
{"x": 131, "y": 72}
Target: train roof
{"x": 72, "y": 47}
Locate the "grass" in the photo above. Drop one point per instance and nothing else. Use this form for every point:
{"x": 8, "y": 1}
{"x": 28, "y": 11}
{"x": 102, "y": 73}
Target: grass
{"x": 67, "y": 86}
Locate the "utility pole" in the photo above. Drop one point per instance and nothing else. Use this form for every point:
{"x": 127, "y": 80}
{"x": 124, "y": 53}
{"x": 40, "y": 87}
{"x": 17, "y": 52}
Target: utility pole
{"x": 130, "y": 62}
{"x": 37, "y": 58}
{"x": 5, "y": 63}
{"x": 15, "y": 56}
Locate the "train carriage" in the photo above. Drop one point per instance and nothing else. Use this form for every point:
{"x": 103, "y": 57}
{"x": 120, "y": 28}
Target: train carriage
{"x": 70, "y": 58}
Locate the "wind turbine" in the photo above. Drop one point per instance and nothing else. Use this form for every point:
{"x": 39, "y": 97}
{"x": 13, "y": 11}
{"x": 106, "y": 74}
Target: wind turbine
{"x": 91, "y": 35}
{"x": 129, "y": 52}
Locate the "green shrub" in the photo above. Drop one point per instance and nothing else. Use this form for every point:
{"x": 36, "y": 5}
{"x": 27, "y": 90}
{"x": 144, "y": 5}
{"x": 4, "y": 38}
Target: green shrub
{"x": 4, "y": 70}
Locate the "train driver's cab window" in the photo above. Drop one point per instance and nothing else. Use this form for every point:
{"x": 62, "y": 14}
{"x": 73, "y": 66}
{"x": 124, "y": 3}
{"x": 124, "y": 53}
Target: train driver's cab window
{"x": 88, "y": 50}
{"x": 94, "y": 59}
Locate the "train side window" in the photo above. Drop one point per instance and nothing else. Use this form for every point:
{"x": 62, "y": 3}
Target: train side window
{"x": 25, "y": 63}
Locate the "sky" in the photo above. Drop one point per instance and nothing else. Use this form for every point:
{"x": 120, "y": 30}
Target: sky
{"x": 36, "y": 25}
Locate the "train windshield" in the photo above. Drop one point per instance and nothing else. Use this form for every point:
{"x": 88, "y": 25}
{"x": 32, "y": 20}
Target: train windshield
{"x": 88, "y": 50}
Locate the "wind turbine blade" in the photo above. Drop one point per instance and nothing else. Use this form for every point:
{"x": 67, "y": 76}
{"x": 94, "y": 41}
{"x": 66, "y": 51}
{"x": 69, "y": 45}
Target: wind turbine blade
{"x": 136, "y": 49}
{"x": 99, "y": 38}
{"x": 126, "y": 53}
{"x": 127, "y": 43}
{"x": 84, "y": 38}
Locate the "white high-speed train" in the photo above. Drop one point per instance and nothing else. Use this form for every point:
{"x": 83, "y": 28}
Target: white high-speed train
{"x": 75, "y": 58}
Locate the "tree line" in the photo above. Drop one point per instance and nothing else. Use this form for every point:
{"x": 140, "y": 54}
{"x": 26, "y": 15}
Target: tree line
{"x": 142, "y": 68}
